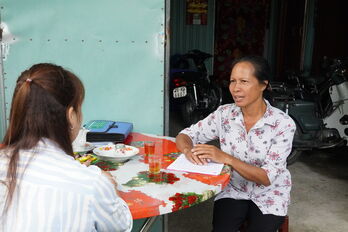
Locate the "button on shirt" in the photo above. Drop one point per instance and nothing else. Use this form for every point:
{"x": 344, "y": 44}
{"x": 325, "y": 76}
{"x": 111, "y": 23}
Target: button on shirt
{"x": 267, "y": 145}
{"x": 57, "y": 193}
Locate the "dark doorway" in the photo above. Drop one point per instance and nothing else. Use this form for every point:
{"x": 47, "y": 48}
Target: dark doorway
{"x": 289, "y": 39}
{"x": 331, "y": 33}
{"x": 295, "y": 41}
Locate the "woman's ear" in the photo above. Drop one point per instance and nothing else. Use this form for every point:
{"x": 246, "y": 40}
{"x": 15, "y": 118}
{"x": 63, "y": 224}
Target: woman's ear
{"x": 70, "y": 115}
{"x": 265, "y": 85}
{"x": 74, "y": 122}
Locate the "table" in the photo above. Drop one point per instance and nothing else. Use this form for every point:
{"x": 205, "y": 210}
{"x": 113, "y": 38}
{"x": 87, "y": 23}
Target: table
{"x": 148, "y": 196}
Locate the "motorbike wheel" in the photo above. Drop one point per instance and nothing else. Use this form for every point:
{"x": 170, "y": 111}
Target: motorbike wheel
{"x": 190, "y": 114}
{"x": 295, "y": 153}
{"x": 215, "y": 98}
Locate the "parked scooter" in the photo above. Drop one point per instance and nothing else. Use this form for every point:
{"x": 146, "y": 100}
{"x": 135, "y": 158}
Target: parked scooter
{"x": 194, "y": 92}
{"x": 318, "y": 106}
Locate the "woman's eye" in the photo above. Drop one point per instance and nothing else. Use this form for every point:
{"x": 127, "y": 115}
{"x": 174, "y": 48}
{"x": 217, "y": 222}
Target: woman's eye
{"x": 232, "y": 81}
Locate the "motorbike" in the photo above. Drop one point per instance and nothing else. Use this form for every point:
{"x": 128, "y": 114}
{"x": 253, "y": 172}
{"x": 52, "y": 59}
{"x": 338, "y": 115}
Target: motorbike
{"x": 319, "y": 107}
{"x": 194, "y": 92}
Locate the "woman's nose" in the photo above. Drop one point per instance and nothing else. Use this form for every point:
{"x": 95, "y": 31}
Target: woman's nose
{"x": 234, "y": 87}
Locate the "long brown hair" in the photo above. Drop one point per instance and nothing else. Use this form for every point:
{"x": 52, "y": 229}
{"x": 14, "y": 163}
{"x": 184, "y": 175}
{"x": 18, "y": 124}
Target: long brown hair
{"x": 41, "y": 99}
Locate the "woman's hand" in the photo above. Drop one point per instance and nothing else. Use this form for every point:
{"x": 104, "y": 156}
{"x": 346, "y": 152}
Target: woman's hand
{"x": 201, "y": 153}
{"x": 206, "y": 153}
{"x": 192, "y": 158}
{"x": 112, "y": 179}
{"x": 256, "y": 174}
{"x": 185, "y": 145}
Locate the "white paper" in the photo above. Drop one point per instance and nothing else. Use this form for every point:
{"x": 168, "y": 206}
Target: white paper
{"x": 183, "y": 164}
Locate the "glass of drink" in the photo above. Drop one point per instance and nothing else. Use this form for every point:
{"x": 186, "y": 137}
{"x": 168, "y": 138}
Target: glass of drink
{"x": 154, "y": 158}
{"x": 149, "y": 147}
{"x": 155, "y": 163}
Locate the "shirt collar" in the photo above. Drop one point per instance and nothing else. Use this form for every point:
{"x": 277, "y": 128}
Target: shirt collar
{"x": 267, "y": 118}
{"x": 237, "y": 115}
{"x": 50, "y": 145}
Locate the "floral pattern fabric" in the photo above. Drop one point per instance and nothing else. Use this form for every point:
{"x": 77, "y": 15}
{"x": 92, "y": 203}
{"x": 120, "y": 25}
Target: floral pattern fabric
{"x": 267, "y": 145}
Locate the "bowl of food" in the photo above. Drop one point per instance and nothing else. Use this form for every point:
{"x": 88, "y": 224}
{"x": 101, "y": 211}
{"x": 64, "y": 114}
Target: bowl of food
{"x": 116, "y": 153}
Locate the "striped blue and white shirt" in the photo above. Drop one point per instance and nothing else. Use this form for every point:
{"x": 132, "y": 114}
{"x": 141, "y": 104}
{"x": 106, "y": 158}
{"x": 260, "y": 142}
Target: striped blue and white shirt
{"x": 57, "y": 193}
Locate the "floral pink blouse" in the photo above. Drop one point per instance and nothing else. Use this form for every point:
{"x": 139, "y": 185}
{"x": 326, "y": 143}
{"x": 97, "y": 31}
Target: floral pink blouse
{"x": 266, "y": 145}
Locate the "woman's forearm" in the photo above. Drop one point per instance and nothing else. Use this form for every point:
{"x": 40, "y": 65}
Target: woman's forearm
{"x": 249, "y": 172}
{"x": 183, "y": 143}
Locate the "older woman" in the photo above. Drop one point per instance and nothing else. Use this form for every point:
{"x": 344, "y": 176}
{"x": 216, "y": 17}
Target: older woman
{"x": 42, "y": 187}
{"x": 255, "y": 140}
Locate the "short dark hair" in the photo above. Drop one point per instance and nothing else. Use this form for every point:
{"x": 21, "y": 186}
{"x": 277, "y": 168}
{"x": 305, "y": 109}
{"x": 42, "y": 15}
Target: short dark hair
{"x": 260, "y": 64}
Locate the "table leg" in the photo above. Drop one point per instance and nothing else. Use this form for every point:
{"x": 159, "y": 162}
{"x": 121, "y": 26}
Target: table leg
{"x": 165, "y": 223}
{"x": 148, "y": 223}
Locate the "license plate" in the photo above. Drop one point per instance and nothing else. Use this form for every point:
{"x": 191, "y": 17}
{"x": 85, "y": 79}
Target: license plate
{"x": 179, "y": 92}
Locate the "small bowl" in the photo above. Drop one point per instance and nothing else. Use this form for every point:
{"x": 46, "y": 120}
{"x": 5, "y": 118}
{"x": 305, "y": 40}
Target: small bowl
{"x": 83, "y": 147}
{"x": 115, "y": 154}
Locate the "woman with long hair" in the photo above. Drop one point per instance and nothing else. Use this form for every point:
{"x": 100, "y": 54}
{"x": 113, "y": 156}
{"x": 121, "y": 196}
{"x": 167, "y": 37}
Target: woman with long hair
{"x": 42, "y": 187}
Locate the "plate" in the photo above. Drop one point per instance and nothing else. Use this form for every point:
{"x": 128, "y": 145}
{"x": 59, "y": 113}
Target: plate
{"x": 84, "y": 147}
{"x": 115, "y": 153}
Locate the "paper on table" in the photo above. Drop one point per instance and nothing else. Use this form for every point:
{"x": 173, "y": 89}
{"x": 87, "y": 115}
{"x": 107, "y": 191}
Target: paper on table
{"x": 183, "y": 164}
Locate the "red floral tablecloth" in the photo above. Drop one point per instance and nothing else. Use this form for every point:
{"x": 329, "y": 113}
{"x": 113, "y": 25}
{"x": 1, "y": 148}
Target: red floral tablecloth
{"x": 152, "y": 195}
